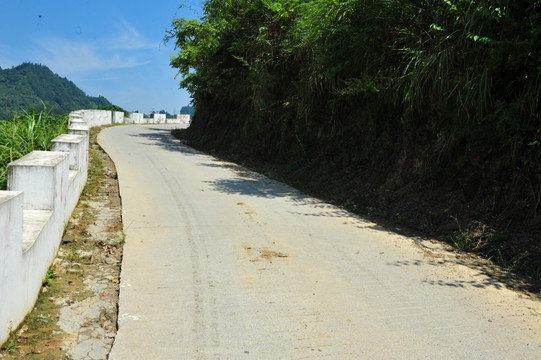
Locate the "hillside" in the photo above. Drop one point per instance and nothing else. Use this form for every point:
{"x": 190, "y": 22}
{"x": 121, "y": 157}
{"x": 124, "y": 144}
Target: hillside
{"x": 425, "y": 116}
{"x": 31, "y": 85}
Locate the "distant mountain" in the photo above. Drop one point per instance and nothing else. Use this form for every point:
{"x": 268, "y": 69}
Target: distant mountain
{"x": 32, "y": 85}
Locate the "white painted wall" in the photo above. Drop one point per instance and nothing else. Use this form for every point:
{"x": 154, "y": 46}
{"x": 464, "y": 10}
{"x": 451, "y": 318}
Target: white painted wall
{"x": 43, "y": 189}
{"x": 77, "y": 148}
{"x": 180, "y": 119}
{"x": 97, "y": 117}
{"x": 43, "y": 177}
{"x": 118, "y": 117}
{"x": 136, "y": 118}
{"x": 11, "y": 228}
{"x": 76, "y": 117}
{"x": 78, "y": 129}
{"x": 157, "y": 118}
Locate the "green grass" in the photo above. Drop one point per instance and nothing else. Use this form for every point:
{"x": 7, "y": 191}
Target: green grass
{"x": 27, "y": 132}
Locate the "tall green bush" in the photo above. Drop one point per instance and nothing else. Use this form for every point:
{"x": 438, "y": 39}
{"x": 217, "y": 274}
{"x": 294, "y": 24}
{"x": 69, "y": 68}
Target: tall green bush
{"x": 27, "y": 132}
{"x": 422, "y": 89}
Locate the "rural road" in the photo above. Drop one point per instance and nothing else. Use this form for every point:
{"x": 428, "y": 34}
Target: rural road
{"x": 223, "y": 263}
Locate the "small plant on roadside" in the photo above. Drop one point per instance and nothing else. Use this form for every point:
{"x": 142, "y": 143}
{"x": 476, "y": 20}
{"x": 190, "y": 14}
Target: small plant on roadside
{"x": 9, "y": 346}
{"x": 43, "y": 321}
{"x": 49, "y": 277}
{"x": 461, "y": 239}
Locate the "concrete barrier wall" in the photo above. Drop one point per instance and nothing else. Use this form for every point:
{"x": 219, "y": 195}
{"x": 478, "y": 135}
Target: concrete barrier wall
{"x": 118, "y": 117}
{"x": 136, "y": 118}
{"x": 97, "y": 117}
{"x": 180, "y": 119}
{"x": 77, "y": 148}
{"x": 43, "y": 189}
{"x": 92, "y": 118}
{"x": 76, "y": 117}
{"x": 157, "y": 119}
{"x": 11, "y": 227}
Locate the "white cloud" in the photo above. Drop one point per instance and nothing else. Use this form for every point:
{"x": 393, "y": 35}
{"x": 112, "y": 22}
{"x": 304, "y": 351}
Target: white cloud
{"x": 129, "y": 39}
{"x": 127, "y": 48}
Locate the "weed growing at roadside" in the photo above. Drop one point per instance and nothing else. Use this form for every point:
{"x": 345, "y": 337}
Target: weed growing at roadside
{"x": 49, "y": 276}
{"x": 9, "y": 346}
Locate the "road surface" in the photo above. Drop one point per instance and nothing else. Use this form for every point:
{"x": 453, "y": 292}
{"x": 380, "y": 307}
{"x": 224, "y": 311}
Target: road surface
{"x": 223, "y": 263}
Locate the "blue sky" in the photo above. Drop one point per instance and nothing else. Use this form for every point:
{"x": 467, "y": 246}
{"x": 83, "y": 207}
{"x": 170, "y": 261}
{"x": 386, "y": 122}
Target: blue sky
{"x": 112, "y": 48}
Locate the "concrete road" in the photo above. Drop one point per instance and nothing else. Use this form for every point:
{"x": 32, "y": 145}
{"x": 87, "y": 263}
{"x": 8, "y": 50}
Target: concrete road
{"x": 223, "y": 263}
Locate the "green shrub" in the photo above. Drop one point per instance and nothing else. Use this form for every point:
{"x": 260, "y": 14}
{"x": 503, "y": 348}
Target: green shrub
{"x": 25, "y": 133}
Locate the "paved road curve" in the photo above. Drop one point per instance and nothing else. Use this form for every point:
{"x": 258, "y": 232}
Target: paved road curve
{"x": 222, "y": 263}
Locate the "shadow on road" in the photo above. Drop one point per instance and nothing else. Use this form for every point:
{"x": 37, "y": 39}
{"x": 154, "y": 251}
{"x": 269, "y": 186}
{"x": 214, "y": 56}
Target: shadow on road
{"x": 160, "y": 136}
{"x": 251, "y": 187}
{"x": 489, "y": 274}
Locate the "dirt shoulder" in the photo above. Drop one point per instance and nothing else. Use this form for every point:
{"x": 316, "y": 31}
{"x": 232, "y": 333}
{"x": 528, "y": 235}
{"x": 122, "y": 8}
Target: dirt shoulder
{"x": 75, "y": 316}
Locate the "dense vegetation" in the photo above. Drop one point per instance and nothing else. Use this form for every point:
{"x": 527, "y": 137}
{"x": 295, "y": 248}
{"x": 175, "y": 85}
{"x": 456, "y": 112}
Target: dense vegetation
{"x": 25, "y": 133}
{"x": 188, "y": 110}
{"x": 423, "y": 112}
{"x": 36, "y": 86}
